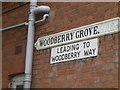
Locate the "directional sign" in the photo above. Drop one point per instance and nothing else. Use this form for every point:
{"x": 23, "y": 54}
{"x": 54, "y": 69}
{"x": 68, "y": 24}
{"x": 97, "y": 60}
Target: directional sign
{"x": 81, "y": 33}
{"x": 79, "y": 50}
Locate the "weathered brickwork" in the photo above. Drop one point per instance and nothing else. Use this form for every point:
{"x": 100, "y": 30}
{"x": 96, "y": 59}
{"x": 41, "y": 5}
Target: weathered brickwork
{"x": 95, "y": 72}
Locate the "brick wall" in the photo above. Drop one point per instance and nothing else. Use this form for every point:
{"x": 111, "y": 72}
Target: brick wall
{"x": 100, "y": 71}
{"x": 14, "y": 40}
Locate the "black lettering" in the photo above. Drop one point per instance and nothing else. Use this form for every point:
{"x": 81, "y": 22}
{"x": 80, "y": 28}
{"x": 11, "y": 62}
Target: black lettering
{"x": 75, "y": 54}
{"x": 68, "y": 48}
{"x": 73, "y": 47}
{"x": 78, "y": 53}
{"x": 61, "y": 49}
{"x": 67, "y": 37}
{"x": 52, "y": 40}
{"x": 63, "y": 56}
{"x": 55, "y": 40}
{"x": 95, "y": 30}
{"x": 86, "y": 44}
{"x": 81, "y": 33}
{"x": 59, "y": 39}
{"x": 86, "y": 53}
{"x": 72, "y": 55}
{"x": 72, "y": 35}
{"x": 45, "y": 42}
{"x": 58, "y": 50}
{"x": 60, "y": 57}
{"x": 64, "y": 49}
{"x": 94, "y": 50}
{"x": 86, "y": 32}
{"x": 90, "y": 51}
{"x": 90, "y": 30}
{"x": 53, "y": 59}
{"x": 48, "y": 41}
{"x": 77, "y": 46}
{"x": 66, "y": 56}
{"x": 57, "y": 58}
{"x": 63, "y": 38}
{"x": 77, "y": 35}
{"x": 41, "y": 43}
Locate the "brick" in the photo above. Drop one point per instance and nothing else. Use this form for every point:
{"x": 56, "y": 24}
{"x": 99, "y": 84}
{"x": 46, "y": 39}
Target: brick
{"x": 68, "y": 83}
{"x": 109, "y": 42}
{"x": 46, "y": 70}
{"x": 109, "y": 54}
{"x": 94, "y": 72}
{"x": 98, "y": 85}
{"x": 59, "y": 79}
{"x": 107, "y": 6}
{"x": 66, "y": 72}
{"x": 108, "y": 78}
{"x": 64, "y": 67}
{"x": 40, "y": 66}
{"x": 112, "y": 84}
{"x": 99, "y": 4}
{"x": 108, "y": 48}
{"x": 47, "y": 80}
{"x": 116, "y": 46}
{"x": 39, "y": 76}
{"x": 102, "y": 49}
{"x": 114, "y": 10}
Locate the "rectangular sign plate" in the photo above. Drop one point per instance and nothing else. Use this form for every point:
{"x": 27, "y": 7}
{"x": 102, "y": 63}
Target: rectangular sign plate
{"x": 79, "y": 50}
{"x": 81, "y": 33}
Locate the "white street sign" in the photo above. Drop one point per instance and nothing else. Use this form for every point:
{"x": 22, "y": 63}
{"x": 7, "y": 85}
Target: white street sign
{"x": 81, "y": 33}
{"x": 79, "y": 50}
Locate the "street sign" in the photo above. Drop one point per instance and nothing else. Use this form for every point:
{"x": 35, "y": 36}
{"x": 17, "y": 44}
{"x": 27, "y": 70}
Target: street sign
{"x": 81, "y": 33}
{"x": 74, "y": 51}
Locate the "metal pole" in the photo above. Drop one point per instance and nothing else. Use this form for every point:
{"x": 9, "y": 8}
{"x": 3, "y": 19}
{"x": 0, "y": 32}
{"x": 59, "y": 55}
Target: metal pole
{"x": 17, "y": 25}
{"x": 34, "y": 9}
{"x": 29, "y": 48}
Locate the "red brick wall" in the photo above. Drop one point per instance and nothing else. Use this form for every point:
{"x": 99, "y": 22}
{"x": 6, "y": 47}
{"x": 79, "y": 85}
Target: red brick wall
{"x": 14, "y": 40}
{"x": 100, "y": 71}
